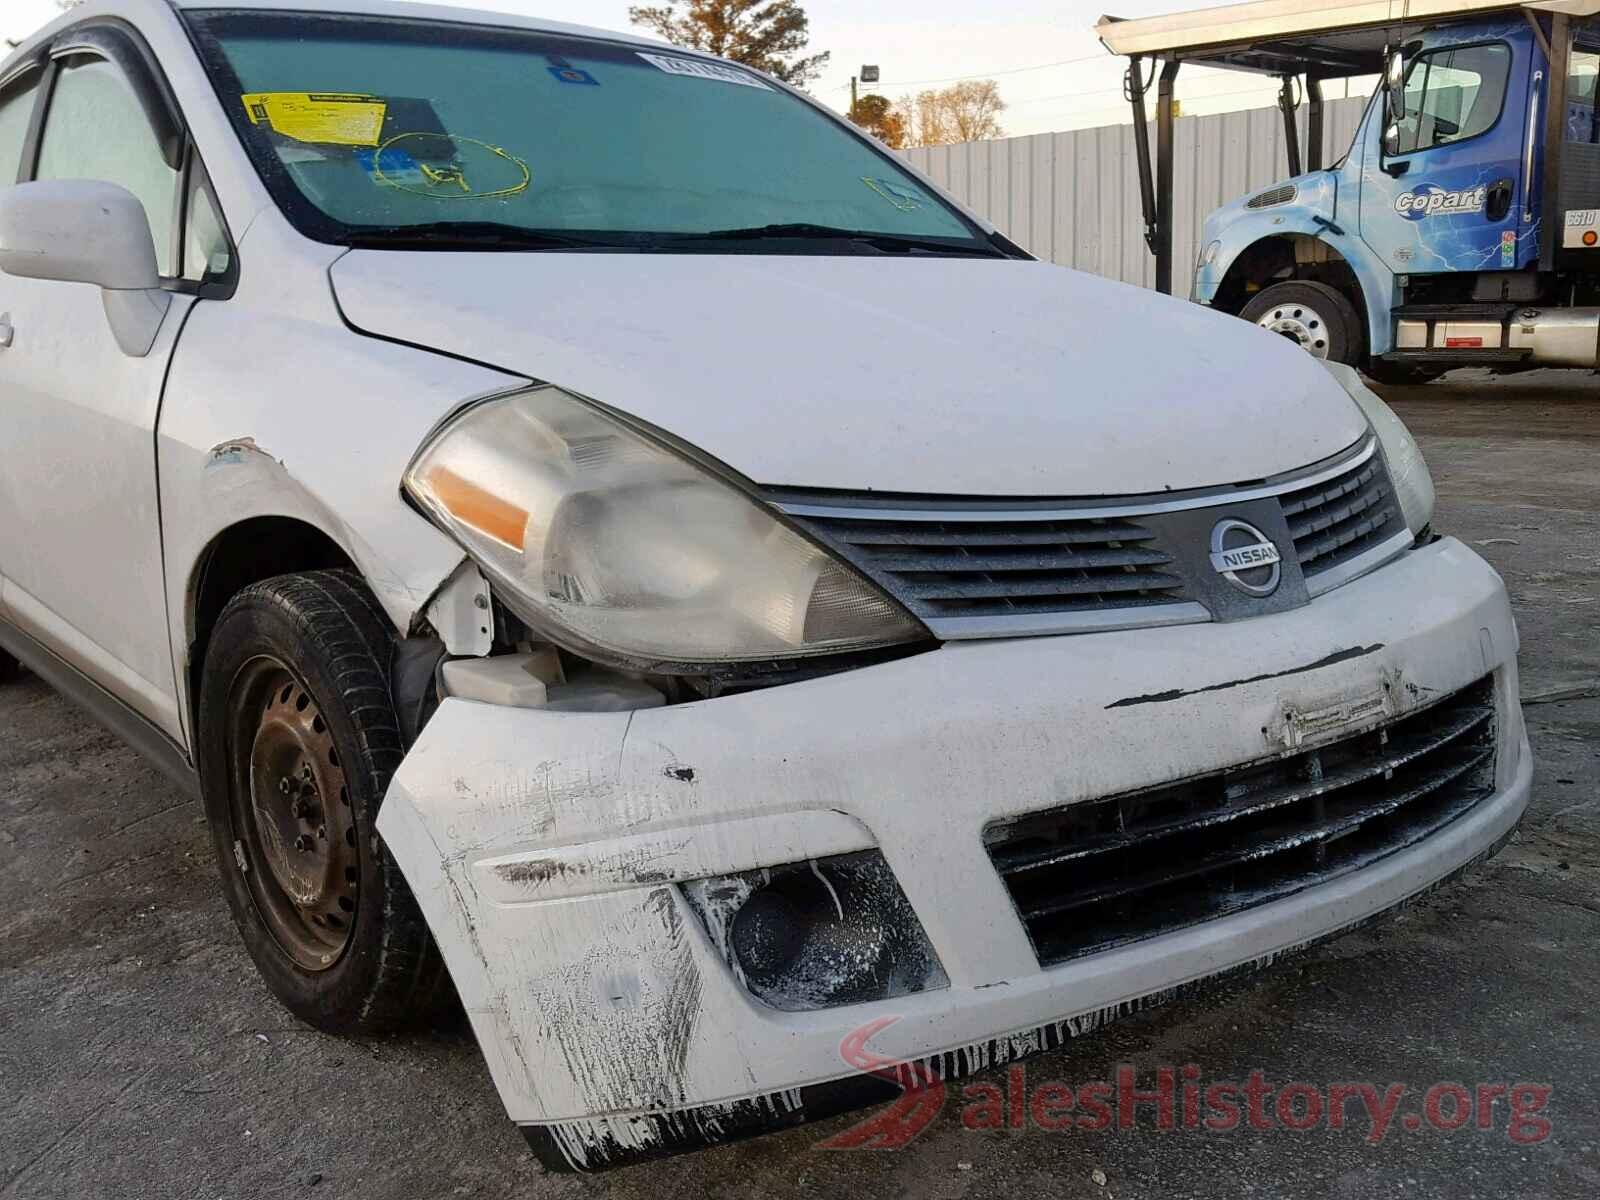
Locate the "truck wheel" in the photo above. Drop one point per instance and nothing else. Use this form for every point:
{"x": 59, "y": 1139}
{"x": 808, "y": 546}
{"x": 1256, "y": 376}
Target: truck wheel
{"x": 1317, "y": 317}
{"x": 297, "y": 743}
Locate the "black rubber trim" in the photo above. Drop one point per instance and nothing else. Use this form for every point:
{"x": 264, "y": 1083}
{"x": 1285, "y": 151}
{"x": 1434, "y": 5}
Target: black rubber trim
{"x": 151, "y": 743}
{"x": 682, "y": 1130}
{"x": 1455, "y": 358}
{"x": 28, "y": 165}
{"x": 1490, "y": 310}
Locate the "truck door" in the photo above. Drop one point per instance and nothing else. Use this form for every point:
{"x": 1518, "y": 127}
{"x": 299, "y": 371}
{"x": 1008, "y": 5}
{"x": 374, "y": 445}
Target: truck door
{"x": 1443, "y": 190}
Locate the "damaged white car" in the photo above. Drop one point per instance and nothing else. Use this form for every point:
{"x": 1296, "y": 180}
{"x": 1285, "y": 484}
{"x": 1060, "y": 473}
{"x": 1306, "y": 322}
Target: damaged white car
{"x": 609, "y": 542}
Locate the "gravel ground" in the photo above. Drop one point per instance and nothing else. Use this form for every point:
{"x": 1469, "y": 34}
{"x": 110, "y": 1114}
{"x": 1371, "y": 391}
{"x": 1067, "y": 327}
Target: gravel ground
{"x": 142, "y": 1057}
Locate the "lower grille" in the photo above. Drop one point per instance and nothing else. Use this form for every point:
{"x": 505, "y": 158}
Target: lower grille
{"x": 1102, "y": 873}
{"x": 1348, "y": 515}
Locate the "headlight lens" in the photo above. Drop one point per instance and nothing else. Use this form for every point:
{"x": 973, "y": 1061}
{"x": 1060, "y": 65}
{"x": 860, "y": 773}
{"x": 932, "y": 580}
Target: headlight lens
{"x": 1413, "y": 483}
{"x": 595, "y": 531}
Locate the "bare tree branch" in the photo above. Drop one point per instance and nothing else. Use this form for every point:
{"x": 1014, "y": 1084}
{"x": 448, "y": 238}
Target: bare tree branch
{"x": 964, "y": 112}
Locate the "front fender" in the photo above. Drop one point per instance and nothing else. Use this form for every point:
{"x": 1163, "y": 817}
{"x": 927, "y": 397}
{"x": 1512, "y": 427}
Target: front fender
{"x": 1239, "y": 228}
{"x": 275, "y": 408}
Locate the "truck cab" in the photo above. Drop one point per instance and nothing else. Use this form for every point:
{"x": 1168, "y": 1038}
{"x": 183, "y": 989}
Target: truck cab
{"x": 1459, "y": 227}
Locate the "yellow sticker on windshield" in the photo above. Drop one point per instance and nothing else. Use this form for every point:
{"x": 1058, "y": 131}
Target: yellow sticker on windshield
{"x": 329, "y": 118}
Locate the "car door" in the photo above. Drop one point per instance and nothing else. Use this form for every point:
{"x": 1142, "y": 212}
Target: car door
{"x": 18, "y": 95}
{"x": 1443, "y": 189}
{"x": 80, "y": 532}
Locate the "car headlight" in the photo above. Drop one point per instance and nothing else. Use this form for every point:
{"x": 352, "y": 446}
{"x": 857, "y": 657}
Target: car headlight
{"x": 1413, "y": 484}
{"x": 595, "y": 531}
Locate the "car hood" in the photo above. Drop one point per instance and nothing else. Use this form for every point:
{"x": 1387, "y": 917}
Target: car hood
{"x": 942, "y": 375}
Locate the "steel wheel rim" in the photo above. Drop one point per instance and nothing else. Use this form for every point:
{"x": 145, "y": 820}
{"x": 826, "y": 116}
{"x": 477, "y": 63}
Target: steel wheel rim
{"x": 1300, "y": 323}
{"x": 296, "y": 840}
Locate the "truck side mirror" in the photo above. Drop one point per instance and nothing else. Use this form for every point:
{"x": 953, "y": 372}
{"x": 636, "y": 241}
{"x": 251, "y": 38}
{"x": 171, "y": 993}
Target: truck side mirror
{"x": 1394, "y": 86}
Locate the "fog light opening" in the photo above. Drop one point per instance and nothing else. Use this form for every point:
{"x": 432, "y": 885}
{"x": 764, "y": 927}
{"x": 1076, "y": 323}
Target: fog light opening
{"x": 818, "y": 934}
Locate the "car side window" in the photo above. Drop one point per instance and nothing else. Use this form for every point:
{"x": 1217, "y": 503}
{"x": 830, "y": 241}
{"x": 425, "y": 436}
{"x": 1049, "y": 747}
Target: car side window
{"x": 95, "y": 129}
{"x": 1452, "y": 95}
{"x": 16, "y": 106}
{"x": 206, "y": 254}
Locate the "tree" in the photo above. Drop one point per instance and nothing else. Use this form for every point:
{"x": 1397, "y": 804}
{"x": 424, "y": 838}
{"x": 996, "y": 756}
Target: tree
{"x": 963, "y": 112}
{"x": 769, "y": 35}
{"x": 881, "y": 119}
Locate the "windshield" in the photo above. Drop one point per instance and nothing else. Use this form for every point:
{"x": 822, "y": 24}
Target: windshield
{"x": 371, "y": 130}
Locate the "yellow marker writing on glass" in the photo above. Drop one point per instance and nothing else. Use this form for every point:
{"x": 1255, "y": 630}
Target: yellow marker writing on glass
{"x": 328, "y": 118}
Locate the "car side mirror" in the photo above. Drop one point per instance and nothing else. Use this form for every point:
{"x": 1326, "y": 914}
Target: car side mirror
{"x": 1394, "y": 86}
{"x": 85, "y": 231}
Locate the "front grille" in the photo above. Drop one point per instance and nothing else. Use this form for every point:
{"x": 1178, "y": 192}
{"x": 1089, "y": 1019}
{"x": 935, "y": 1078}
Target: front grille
{"x": 1102, "y": 873}
{"x": 1342, "y": 518}
{"x": 973, "y": 567}
{"x": 942, "y": 568}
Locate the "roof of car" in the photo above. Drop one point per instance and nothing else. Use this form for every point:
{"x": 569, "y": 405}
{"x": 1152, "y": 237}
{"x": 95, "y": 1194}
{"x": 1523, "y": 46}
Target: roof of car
{"x": 403, "y": 9}
{"x": 416, "y": 12}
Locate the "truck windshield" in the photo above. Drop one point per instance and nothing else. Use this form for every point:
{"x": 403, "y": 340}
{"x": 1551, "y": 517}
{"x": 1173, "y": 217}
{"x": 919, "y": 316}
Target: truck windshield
{"x": 444, "y": 135}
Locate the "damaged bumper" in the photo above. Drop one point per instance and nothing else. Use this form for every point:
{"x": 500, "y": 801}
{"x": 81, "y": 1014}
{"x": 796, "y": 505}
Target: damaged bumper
{"x": 548, "y": 849}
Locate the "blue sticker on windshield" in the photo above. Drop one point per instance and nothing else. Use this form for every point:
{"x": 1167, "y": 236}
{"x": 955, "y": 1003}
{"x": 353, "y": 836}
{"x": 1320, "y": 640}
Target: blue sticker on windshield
{"x": 573, "y": 75}
{"x": 390, "y": 166}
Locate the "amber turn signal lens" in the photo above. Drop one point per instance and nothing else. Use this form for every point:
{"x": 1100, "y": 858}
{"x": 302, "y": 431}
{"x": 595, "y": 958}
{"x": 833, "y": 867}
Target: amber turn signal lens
{"x": 482, "y": 510}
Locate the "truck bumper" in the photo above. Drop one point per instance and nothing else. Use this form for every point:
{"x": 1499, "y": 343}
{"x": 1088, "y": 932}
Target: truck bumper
{"x": 546, "y": 848}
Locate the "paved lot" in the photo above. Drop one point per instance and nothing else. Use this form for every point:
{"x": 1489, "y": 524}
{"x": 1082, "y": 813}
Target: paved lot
{"x": 140, "y": 1056}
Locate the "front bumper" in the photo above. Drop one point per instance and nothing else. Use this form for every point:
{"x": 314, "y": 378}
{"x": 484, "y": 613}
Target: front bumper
{"x": 545, "y": 847}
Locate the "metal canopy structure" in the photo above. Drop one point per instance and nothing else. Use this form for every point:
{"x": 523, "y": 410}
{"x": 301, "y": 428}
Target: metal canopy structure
{"x": 1313, "y": 40}
{"x": 1264, "y": 35}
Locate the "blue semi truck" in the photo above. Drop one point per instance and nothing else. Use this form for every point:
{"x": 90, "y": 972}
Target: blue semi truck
{"x": 1461, "y": 227}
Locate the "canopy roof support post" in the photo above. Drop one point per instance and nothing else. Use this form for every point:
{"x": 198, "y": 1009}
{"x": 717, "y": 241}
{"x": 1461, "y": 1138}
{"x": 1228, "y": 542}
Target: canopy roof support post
{"x": 1133, "y": 89}
{"x": 1555, "y": 134}
{"x": 1291, "y": 132}
{"x": 1314, "y": 123}
{"x": 1163, "y": 246}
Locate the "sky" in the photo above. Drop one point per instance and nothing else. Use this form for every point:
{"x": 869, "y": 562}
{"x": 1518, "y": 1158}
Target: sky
{"x": 1053, "y": 73}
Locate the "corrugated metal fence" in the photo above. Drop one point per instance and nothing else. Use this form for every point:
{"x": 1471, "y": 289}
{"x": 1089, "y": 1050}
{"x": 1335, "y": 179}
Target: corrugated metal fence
{"x": 1073, "y": 198}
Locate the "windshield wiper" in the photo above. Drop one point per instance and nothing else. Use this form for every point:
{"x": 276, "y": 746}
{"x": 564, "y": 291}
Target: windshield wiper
{"x": 799, "y": 231}
{"x": 469, "y": 235}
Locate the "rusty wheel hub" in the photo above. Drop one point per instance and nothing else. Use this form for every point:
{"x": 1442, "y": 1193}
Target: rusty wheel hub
{"x": 303, "y": 828}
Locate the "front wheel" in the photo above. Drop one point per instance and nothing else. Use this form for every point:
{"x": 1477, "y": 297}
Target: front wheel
{"x": 298, "y": 741}
{"x": 1318, "y": 318}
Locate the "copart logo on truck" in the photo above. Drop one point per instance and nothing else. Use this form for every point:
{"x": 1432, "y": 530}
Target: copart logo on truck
{"x": 1425, "y": 200}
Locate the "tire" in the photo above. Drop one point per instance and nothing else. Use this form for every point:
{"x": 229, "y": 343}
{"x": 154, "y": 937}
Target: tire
{"x": 1319, "y": 318}
{"x": 297, "y": 743}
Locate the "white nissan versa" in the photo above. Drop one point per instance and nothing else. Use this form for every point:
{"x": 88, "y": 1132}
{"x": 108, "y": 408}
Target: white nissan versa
{"x": 608, "y": 542}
